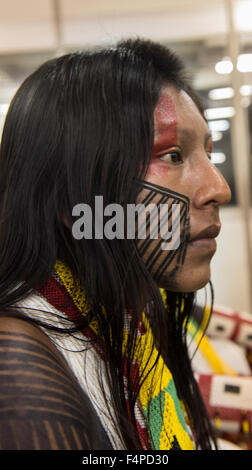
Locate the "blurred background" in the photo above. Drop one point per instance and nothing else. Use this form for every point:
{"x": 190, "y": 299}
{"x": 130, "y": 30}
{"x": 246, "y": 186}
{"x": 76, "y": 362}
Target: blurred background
{"x": 214, "y": 38}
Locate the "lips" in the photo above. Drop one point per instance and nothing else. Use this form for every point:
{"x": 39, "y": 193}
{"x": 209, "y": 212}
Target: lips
{"x": 212, "y": 231}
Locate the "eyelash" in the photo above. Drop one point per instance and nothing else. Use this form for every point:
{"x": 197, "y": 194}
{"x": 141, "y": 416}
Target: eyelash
{"x": 172, "y": 162}
{"x": 163, "y": 157}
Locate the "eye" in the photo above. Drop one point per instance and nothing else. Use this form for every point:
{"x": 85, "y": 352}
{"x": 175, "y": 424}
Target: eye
{"x": 209, "y": 149}
{"x": 209, "y": 155}
{"x": 174, "y": 158}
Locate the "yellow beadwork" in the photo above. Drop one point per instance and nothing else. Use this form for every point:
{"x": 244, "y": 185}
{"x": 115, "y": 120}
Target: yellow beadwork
{"x": 170, "y": 415}
{"x": 158, "y": 380}
{"x": 73, "y": 288}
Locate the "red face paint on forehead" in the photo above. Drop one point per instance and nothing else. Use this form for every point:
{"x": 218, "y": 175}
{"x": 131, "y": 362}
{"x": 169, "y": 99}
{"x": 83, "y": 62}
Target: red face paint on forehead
{"x": 165, "y": 124}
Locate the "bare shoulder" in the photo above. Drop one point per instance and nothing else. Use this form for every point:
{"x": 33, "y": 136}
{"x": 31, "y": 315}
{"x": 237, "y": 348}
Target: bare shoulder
{"x": 12, "y": 325}
{"x": 42, "y": 406}
{"x": 20, "y": 329}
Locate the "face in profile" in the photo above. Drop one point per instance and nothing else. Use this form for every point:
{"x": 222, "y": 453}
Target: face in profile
{"x": 181, "y": 164}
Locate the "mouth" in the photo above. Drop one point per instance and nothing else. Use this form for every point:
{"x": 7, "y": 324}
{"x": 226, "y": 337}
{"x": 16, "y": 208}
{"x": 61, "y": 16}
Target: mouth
{"x": 205, "y": 239}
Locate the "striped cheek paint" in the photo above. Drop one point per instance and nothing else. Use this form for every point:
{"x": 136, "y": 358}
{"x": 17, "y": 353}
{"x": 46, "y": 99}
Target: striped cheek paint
{"x": 156, "y": 216}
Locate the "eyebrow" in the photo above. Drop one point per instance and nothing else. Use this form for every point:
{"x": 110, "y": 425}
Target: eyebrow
{"x": 190, "y": 133}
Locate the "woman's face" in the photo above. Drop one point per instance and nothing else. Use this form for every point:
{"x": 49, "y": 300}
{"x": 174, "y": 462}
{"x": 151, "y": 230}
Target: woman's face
{"x": 181, "y": 162}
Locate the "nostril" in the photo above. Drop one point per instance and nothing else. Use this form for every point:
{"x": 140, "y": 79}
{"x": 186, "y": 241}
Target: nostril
{"x": 212, "y": 202}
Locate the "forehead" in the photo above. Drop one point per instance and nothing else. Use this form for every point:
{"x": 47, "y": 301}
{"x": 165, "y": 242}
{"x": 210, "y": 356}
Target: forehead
{"x": 177, "y": 108}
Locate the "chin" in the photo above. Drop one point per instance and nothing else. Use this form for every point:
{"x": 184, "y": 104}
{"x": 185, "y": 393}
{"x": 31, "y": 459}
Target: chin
{"x": 186, "y": 281}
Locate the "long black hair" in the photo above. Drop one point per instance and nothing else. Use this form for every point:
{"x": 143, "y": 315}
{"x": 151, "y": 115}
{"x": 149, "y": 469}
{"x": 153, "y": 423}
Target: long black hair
{"x": 82, "y": 125}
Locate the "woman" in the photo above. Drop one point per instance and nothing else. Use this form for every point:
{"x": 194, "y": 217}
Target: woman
{"x": 93, "y": 329}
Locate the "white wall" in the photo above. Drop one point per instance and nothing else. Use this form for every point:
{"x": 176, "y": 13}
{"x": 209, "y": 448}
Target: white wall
{"x": 31, "y": 25}
{"x": 229, "y": 266}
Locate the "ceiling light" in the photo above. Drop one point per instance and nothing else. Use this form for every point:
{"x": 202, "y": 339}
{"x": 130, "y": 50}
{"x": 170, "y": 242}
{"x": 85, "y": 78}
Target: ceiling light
{"x": 246, "y": 90}
{"x": 219, "y": 126}
{"x": 220, "y": 113}
{"x": 224, "y": 66}
{"x": 244, "y": 63}
{"x": 221, "y": 93}
{"x": 216, "y": 136}
{"x": 228, "y": 92}
{"x": 218, "y": 157}
{"x": 245, "y": 101}
{"x": 242, "y": 15}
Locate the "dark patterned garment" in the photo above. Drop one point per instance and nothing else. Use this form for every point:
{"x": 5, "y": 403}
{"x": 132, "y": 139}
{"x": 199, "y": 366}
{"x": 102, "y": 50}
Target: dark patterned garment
{"x": 42, "y": 406}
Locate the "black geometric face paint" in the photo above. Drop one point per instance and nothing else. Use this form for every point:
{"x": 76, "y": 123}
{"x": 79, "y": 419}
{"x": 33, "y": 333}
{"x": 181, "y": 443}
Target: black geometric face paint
{"x": 163, "y": 229}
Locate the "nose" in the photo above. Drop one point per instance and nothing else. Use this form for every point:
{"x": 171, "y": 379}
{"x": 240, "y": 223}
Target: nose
{"x": 212, "y": 188}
